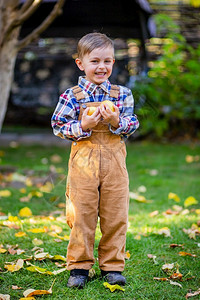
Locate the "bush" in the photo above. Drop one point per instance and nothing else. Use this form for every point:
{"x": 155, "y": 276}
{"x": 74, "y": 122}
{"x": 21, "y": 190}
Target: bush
{"x": 171, "y": 92}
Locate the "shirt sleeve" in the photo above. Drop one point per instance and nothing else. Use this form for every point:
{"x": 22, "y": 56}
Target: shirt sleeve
{"x": 128, "y": 122}
{"x": 65, "y": 121}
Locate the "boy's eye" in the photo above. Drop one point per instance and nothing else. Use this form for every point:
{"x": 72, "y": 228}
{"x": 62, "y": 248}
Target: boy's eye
{"x": 94, "y": 61}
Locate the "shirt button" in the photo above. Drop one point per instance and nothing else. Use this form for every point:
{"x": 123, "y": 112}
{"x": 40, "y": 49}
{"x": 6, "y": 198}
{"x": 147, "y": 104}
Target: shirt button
{"x": 75, "y": 143}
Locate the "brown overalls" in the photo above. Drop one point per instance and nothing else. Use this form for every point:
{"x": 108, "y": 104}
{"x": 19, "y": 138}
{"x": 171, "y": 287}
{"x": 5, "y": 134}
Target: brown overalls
{"x": 97, "y": 185}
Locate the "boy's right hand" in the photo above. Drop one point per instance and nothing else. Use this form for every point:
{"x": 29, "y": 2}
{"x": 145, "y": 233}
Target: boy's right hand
{"x": 89, "y": 122}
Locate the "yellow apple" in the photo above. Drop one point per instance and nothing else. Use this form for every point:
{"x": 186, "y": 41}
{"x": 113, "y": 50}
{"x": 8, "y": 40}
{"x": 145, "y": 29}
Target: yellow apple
{"x": 109, "y": 104}
{"x": 91, "y": 110}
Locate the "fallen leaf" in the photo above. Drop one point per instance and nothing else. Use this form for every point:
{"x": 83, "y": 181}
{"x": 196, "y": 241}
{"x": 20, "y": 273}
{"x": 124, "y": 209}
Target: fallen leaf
{"x": 173, "y": 196}
{"x": 160, "y": 279}
{"x": 4, "y": 297}
{"x": 32, "y": 292}
{"x": 137, "y": 237}
{"x": 168, "y": 267}
{"x": 175, "y": 283}
{"x": 154, "y": 213}
{"x": 2, "y": 250}
{"x": 91, "y": 273}
{"x": 192, "y": 294}
{"x": 27, "y": 298}
{"x": 20, "y": 234}
{"x": 38, "y": 230}
{"x": 190, "y": 201}
{"x": 176, "y": 245}
{"x": 127, "y": 255}
{"x": 5, "y": 193}
{"x": 25, "y": 212}
{"x": 182, "y": 253}
{"x": 15, "y": 267}
{"x": 34, "y": 268}
{"x": 15, "y": 287}
{"x": 113, "y": 287}
{"x": 165, "y": 231}
{"x": 37, "y": 242}
{"x": 178, "y": 276}
{"x": 13, "y": 218}
{"x": 153, "y": 257}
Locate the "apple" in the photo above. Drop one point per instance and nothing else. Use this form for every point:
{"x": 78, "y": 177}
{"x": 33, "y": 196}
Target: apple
{"x": 109, "y": 104}
{"x": 91, "y": 110}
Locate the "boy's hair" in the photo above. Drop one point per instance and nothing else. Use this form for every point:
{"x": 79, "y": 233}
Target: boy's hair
{"x": 91, "y": 41}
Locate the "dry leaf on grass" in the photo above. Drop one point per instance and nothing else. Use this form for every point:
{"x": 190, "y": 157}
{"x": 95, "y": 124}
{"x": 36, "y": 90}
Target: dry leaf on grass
{"x": 4, "y": 297}
{"x": 25, "y": 212}
{"x": 113, "y": 287}
{"x": 20, "y": 234}
{"x": 165, "y": 231}
{"x": 32, "y": 292}
{"x": 192, "y": 294}
{"x": 174, "y": 197}
{"x": 153, "y": 257}
{"x": 15, "y": 267}
{"x": 190, "y": 201}
{"x": 182, "y": 253}
{"x": 127, "y": 255}
{"x": 175, "y": 283}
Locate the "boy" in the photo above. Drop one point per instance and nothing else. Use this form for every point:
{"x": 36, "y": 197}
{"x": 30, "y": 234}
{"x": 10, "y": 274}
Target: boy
{"x": 97, "y": 183}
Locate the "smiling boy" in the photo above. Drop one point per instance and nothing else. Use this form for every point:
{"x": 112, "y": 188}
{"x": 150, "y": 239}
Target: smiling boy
{"x": 97, "y": 183}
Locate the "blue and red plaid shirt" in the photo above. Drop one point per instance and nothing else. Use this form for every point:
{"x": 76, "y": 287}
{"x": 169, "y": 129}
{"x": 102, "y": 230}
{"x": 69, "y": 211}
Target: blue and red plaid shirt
{"x": 65, "y": 121}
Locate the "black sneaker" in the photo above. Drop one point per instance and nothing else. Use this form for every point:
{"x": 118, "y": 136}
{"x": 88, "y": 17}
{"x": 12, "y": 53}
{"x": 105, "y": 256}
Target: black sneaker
{"x": 78, "y": 278}
{"x": 114, "y": 277}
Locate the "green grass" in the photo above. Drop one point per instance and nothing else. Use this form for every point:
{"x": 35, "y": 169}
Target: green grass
{"x": 174, "y": 174}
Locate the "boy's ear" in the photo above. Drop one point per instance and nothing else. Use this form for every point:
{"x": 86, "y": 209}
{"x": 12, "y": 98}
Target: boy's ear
{"x": 79, "y": 64}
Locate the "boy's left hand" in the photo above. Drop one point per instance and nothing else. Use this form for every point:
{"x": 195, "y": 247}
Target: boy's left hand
{"x": 110, "y": 116}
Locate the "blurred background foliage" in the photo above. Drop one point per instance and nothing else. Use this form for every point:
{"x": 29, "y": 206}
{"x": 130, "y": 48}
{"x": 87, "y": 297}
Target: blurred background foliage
{"x": 168, "y": 97}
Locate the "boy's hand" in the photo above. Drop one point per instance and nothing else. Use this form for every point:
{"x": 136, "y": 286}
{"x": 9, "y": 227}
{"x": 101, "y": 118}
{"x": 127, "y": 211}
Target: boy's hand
{"x": 109, "y": 116}
{"x": 89, "y": 122}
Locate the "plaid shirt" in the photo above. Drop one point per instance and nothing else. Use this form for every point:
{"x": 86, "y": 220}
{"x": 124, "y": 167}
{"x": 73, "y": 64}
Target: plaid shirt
{"x": 65, "y": 121}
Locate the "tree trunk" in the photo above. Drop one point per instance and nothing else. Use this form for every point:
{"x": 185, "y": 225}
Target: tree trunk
{"x": 8, "y": 56}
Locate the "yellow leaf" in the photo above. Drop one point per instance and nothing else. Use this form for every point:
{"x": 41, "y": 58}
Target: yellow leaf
{"x": 174, "y": 197}
{"x": 13, "y": 218}
{"x": 5, "y": 193}
{"x": 32, "y": 292}
{"x": 182, "y": 253}
{"x": 33, "y": 268}
{"x": 37, "y": 242}
{"x": 189, "y": 159}
{"x": 190, "y": 201}
{"x": 35, "y": 194}
{"x": 27, "y": 298}
{"x": 25, "y": 212}
{"x": 127, "y": 255}
{"x": 15, "y": 267}
{"x": 137, "y": 237}
{"x": 197, "y": 211}
{"x": 20, "y": 234}
{"x": 37, "y": 230}
{"x": 165, "y": 231}
{"x": 22, "y": 190}
{"x": 47, "y": 188}
{"x": 59, "y": 257}
{"x": 113, "y": 287}
{"x": 2, "y": 250}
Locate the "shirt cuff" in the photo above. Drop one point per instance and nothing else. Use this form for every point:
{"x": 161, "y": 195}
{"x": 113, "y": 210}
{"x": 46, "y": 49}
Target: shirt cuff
{"x": 82, "y": 134}
{"x": 122, "y": 125}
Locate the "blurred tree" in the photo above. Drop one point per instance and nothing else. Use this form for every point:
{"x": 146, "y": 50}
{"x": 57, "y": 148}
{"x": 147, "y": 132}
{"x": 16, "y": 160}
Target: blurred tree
{"x": 13, "y": 13}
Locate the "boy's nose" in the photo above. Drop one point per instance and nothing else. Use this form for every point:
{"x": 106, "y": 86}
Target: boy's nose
{"x": 101, "y": 65}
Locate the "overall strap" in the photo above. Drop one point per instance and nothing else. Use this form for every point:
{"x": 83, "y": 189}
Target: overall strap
{"x": 114, "y": 91}
{"x": 78, "y": 93}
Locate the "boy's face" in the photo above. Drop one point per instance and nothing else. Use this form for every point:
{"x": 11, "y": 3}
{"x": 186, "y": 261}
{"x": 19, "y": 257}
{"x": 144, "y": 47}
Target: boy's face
{"x": 97, "y": 64}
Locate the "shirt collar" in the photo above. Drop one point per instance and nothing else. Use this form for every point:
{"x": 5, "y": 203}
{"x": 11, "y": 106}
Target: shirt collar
{"x": 90, "y": 87}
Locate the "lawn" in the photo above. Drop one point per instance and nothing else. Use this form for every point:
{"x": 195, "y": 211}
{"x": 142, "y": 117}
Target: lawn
{"x": 164, "y": 229}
